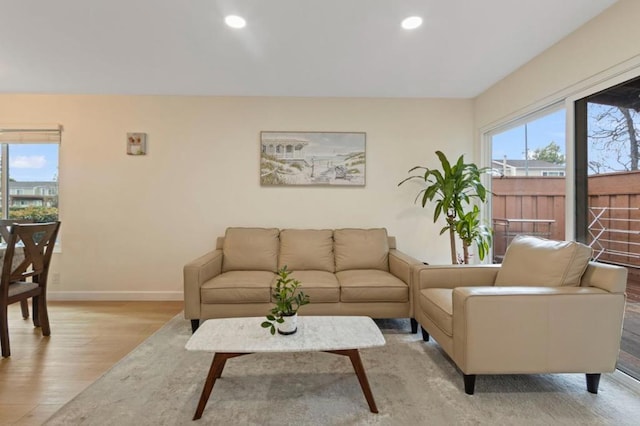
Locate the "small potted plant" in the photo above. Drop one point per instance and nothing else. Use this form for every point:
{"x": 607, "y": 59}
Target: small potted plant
{"x": 288, "y": 299}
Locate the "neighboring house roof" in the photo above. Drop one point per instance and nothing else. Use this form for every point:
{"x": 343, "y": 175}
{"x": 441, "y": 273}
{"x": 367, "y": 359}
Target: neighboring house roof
{"x": 532, "y": 164}
{"x": 31, "y": 184}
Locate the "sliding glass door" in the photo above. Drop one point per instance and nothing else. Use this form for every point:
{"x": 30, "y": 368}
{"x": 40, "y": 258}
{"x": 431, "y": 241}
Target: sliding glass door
{"x": 608, "y": 194}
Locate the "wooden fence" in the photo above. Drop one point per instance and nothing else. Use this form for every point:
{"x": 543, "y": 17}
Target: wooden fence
{"x": 536, "y": 205}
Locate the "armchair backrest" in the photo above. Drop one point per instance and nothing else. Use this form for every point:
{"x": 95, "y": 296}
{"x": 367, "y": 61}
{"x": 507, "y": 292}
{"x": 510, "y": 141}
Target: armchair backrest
{"x": 538, "y": 262}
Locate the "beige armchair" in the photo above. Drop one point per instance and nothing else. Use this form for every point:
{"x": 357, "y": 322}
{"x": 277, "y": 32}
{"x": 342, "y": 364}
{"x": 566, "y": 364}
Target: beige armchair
{"x": 546, "y": 309}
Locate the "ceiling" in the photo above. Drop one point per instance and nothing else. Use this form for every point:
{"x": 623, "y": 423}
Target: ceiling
{"x": 334, "y": 48}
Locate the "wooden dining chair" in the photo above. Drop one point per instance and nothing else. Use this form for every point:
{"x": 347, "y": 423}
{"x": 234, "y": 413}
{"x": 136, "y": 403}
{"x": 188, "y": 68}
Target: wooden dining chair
{"x": 38, "y": 240}
{"x": 4, "y": 237}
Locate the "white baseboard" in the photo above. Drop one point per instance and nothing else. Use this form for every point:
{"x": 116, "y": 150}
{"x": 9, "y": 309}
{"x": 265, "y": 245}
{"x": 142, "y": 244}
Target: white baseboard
{"x": 115, "y": 295}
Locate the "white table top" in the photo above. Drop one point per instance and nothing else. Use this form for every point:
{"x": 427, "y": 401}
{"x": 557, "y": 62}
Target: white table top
{"x": 315, "y": 333}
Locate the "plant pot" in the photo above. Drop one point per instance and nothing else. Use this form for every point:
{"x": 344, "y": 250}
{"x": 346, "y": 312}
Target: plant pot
{"x": 290, "y": 324}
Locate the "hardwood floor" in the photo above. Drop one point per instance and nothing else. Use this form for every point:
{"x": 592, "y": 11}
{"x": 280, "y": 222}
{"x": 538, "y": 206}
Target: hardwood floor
{"x": 87, "y": 338}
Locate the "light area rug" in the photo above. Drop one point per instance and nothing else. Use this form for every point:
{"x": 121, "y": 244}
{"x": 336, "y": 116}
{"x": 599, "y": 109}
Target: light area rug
{"x": 413, "y": 383}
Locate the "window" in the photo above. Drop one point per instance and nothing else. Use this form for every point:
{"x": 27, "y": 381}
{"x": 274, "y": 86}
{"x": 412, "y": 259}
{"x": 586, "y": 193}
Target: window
{"x": 29, "y": 173}
{"x": 527, "y": 183}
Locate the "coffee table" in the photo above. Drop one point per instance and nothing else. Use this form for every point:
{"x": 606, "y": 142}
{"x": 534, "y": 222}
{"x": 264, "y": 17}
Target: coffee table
{"x": 232, "y": 337}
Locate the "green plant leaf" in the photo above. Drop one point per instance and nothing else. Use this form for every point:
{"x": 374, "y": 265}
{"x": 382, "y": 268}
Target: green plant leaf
{"x": 266, "y": 324}
{"x": 453, "y": 189}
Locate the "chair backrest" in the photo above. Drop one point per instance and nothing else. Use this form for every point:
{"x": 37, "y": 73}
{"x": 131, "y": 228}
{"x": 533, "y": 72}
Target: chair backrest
{"x": 38, "y": 241}
{"x": 6, "y": 223}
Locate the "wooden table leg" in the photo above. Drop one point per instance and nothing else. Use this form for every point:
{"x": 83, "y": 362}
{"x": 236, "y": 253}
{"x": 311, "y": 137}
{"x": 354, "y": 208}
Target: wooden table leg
{"x": 215, "y": 371}
{"x": 354, "y": 356}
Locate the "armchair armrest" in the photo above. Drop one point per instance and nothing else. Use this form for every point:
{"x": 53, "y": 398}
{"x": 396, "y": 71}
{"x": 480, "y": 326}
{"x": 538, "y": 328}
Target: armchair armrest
{"x": 196, "y": 273}
{"x": 452, "y": 276}
{"x": 536, "y": 329}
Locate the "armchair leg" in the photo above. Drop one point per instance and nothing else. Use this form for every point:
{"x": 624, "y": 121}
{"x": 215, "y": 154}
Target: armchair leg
{"x": 195, "y": 323}
{"x": 425, "y": 335}
{"x": 414, "y": 326}
{"x": 469, "y": 383}
{"x": 593, "y": 381}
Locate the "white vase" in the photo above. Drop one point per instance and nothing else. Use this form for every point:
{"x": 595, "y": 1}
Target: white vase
{"x": 290, "y": 324}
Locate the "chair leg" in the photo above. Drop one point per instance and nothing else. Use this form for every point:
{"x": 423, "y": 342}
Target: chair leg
{"x": 4, "y": 332}
{"x": 24, "y": 305}
{"x": 425, "y": 335}
{"x": 414, "y": 326}
{"x": 469, "y": 383}
{"x": 593, "y": 381}
{"x": 36, "y": 313}
{"x": 43, "y": 315}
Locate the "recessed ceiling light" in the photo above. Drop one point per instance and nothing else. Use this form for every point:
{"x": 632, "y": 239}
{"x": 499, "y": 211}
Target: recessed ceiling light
{"x": 411, "y": 22}
{"x": 235, "y": 21}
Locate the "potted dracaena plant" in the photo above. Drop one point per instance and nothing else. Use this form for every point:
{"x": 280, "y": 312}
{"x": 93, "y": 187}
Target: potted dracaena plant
{"x": 288, "y": 298}
{"x": 452, "y": 189}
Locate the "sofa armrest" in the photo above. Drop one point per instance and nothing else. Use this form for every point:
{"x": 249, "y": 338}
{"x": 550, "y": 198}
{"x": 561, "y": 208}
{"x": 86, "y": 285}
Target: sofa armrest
{"x": 536, "y": 329}
{"x": 196, "y": 273}
{"x": 401, "y": 266}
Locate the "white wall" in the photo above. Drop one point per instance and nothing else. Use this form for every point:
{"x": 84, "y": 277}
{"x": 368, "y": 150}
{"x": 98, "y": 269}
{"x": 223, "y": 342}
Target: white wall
{"x": 595, "y": 51}
{"x": 129, "y": 223}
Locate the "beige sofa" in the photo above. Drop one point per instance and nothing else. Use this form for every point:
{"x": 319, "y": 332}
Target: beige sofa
{"x": 546, "y": 309}
{"x": 344, "y": 272}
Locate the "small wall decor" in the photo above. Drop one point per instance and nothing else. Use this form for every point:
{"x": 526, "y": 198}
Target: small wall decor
{"x": 312, "y": 158}
{"x": 136, "y": 143}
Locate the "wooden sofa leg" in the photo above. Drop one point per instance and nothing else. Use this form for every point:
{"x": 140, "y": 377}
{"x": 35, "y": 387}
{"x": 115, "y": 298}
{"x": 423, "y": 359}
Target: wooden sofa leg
{"x": 469, "y": 383}
{"x": 414, "y": 326}
{"x": 425, "y": 335}
{"x": 195, "y": 323}
{"x": 593, "y": 381}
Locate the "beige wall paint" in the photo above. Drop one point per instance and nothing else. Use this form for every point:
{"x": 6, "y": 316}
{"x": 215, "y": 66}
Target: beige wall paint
{"x": 129, "y": 223}
{"x": 606, "y": 42}
{"x": 601, "y": 53}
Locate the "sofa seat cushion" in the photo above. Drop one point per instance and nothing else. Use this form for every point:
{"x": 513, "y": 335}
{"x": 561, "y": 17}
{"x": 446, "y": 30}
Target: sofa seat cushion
{"x": 361, "y": 249}
{"x": 250, "y": 249}
{"x": 320, "y": 286}
{"x": 238, "y": 287}
{"x": 371, "y": 285}
{"x": 437, "y": 304}
{"x": 538, "y": 262}
{"x": 306, "y": 249}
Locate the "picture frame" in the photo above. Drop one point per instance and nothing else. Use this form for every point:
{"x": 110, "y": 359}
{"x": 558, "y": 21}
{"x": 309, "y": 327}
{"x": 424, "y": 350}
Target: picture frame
{"x": 312, "y": 158}
{"x": 136, "y": 143}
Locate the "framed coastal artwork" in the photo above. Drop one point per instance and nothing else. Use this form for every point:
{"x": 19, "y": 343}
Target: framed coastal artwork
{"x": 312, "y": 158}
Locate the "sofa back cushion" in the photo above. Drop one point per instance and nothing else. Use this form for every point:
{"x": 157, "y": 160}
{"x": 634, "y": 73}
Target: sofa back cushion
{"x": 534, "y": 261}
{"x": 306, "y": 249}
{"x": 361, "y": 249}
{"x": 250, "y": 249}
